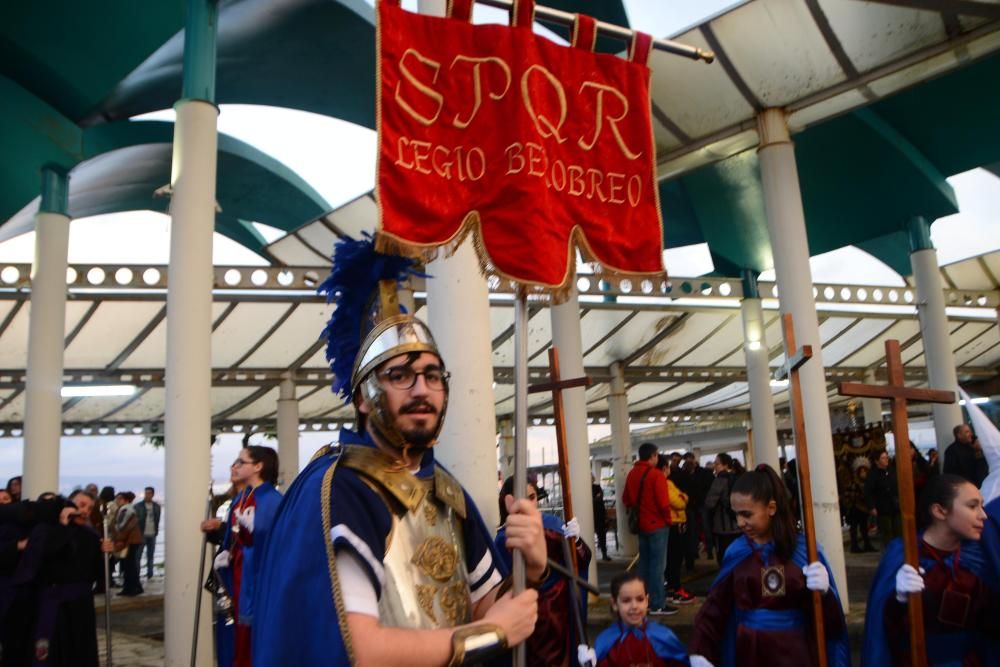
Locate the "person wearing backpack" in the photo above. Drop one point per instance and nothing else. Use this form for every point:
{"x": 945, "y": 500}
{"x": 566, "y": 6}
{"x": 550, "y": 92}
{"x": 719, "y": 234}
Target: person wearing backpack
{"x": 723, "y": 524}
{"x": 647, "y": 502}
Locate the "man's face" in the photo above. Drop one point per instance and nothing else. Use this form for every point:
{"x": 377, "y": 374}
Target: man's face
{"x": 84, "y": 504}
{"x": 148, "y": 495}
{"x": 883, "y": 460}
{"x": 15, "y": 487}
{"x": 964, "y": 434}
{"x": 416, "y": 410}
{"x": 120, "y": 500}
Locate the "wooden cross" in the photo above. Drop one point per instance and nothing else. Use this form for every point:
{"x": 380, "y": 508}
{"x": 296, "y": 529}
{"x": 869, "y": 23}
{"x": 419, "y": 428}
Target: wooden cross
{"x": 556, "y": 385}
{"x": 794, "y": 359}
{"x": 899, "y": 393}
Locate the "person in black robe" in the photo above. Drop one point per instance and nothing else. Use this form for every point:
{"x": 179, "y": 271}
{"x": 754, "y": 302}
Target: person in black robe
{"x": 13, "y": 646}
{"x": 59, "y": 565}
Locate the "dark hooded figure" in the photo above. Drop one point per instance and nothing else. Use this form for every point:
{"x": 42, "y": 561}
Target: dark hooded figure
{"x": 60, "y": 565}
{"x": 19, "y": 522}
{"x": 14, "y": 489}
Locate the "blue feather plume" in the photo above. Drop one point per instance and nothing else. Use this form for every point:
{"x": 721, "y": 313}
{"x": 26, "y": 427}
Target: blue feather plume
{"x": 357, "y": 270}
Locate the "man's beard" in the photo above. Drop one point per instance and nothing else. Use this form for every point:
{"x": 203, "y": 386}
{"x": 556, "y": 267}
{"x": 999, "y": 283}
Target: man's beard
{"x": 420, "y": 437}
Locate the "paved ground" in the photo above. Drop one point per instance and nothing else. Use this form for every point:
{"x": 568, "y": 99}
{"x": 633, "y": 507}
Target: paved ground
{"x": 137, "y": 623}
{"x": 137, "y": 627}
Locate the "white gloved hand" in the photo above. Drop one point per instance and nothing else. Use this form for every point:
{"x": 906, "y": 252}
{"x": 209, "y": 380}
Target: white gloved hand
{"x": 700, "y": 661}
{"x": 571, "y": 529}
{"x": 222, "y": 560}
{"x": 908, "y": 580}
{"x": 586, "y": 656}
{"x": 817, "y": 578}
{"x": 245, "y": 519}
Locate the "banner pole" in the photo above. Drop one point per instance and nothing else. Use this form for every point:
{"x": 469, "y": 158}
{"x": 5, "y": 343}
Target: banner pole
{"x": 553, "y": 15}
{"x": 520, "y": 435}
{"x": 107, "y": 592}
{"x": 201, "y": 578}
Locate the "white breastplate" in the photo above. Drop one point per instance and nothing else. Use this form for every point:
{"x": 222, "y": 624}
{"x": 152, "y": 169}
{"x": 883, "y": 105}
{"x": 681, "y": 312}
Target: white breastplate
{"x": 426, "y": 580}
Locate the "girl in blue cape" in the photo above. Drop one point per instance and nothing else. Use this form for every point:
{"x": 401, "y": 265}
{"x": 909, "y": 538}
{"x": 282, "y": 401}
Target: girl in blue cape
{"x": 960, "y": 609}
{"x": 759, "y": 609}
{"x": 248, "y": 524}
{"x": 633, "y": 639}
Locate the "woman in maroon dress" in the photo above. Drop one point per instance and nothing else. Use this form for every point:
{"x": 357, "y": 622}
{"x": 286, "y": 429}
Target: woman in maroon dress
{"x": 759, "y": 609}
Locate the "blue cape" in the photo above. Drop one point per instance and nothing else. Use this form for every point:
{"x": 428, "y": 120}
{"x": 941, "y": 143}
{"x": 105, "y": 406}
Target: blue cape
{"x": 295, "y": 568}
{"x": 990, "y": 544}
{"x": 838, "y": 651}
{"x": 266, "y": 500}
{"x": 664, "y": 642}
{"x": 877, "y": 651}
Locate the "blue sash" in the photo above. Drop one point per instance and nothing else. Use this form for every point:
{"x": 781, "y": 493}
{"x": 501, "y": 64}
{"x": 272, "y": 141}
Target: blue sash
{"x": 770, "y": 619}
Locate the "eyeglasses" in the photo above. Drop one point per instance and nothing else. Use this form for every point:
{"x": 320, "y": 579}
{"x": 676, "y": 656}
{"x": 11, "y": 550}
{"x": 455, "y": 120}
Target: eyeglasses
{"x": 240, "y": 462}
{"x": 404, "y": 377}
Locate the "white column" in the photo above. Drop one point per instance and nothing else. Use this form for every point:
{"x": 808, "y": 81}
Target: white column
{"x": 595, "y": 469}
{"x": 621, "y": 455}
{"x": 871, "y": 407}
{"x": 765, "y": 430}
{"x": 507, "y": 447}
{"x": 46, "y": 332}
{"x": 288, "y": 433}
{"x": 941, "y": 372}
{"x": 790, "y": 249}
{"x": 188, "y": 374}
{"x": 468, "y": 439}
{"x": 566, "y": 339}
{"x": 467, "y": 446}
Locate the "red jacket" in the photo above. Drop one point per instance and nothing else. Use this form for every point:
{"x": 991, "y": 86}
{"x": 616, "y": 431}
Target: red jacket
{"x": 654, "y": 506}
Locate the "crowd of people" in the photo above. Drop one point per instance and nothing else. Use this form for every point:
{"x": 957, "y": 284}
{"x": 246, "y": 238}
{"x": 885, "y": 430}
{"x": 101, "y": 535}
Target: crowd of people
{"x": 377, "y": 555}
{"x": 683, "y": 510}
{"x": 52, "y": 562}
{"x": 759, "y": 607}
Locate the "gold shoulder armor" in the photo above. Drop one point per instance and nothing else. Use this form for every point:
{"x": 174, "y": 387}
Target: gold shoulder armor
{"x": 400, "y": 484}
{"x": 449, "y": 491}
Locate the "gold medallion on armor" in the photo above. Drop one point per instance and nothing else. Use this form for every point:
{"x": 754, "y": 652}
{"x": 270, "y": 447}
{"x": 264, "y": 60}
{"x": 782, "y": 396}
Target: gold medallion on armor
{"x": 425, "y": 598}
{"x": 454, "y": 602}
{"x": 772, "y": 581}
{"x": 430, "y": 513}
{"x": 436, "y": 559}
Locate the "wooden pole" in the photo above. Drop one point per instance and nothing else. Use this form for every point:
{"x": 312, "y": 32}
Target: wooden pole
{"x": 805, "y": 483}
{"x": 907, "y": 503}
{"x": 899, "y": 393}
{"x": 560, "y": 424}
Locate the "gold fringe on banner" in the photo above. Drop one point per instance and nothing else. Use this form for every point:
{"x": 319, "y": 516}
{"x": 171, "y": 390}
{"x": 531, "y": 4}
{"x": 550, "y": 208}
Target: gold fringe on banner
{"x": 391, "y": 244}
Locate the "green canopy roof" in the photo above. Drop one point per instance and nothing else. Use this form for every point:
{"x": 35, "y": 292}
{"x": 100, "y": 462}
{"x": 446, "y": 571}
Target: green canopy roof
{"x": 68, "y": 73}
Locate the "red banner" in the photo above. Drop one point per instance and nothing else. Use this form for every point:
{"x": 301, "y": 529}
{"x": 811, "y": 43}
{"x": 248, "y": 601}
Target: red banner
{"x": 540, "y": 146}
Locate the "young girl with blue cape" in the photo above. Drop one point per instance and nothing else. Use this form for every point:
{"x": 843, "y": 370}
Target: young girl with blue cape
{"x": 633, "y": 639}
{"x": 759, "y": 609}
{"x": 960, "y": 608}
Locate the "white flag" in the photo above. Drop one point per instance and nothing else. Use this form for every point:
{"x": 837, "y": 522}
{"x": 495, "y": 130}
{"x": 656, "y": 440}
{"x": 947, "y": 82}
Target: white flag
{"x": 989, "y": 438}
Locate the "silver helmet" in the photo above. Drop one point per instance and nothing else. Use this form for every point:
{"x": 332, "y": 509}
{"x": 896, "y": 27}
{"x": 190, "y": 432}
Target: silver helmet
{"x": 391, "y": 337}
